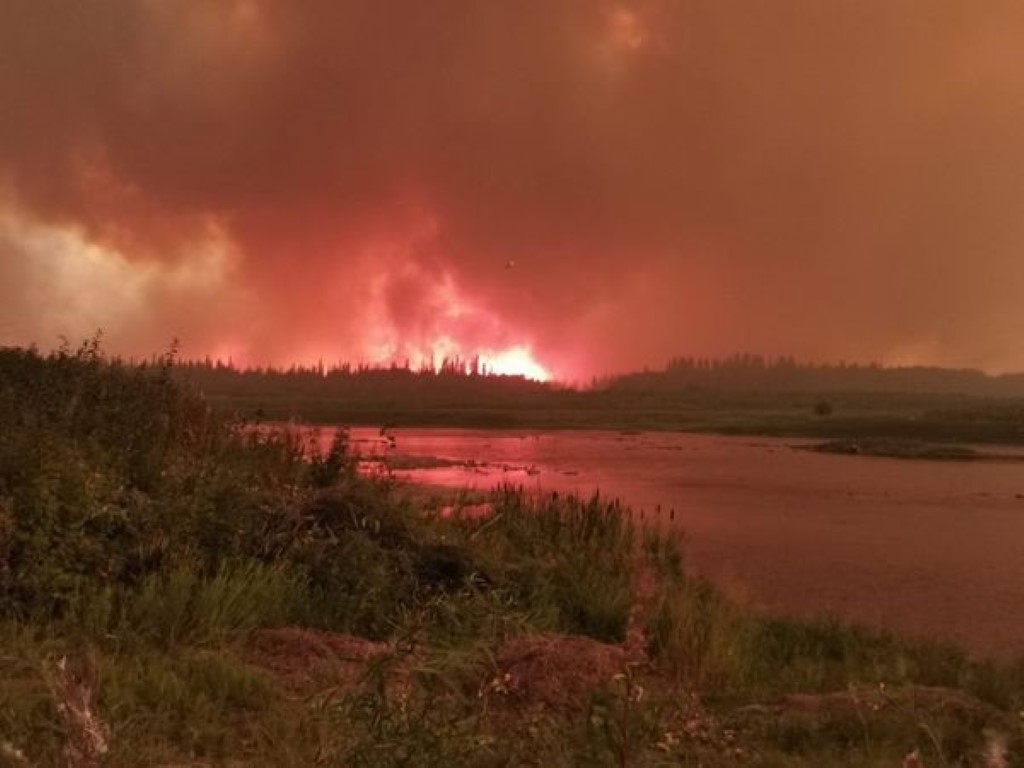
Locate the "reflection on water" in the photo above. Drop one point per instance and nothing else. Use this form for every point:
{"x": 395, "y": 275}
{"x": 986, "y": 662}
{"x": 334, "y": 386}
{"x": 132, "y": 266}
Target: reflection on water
{"x": 928, "y": 548}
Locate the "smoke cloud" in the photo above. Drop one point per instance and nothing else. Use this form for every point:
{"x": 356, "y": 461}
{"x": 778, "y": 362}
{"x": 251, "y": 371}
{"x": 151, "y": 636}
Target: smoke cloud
{"x": 601, "y": 185}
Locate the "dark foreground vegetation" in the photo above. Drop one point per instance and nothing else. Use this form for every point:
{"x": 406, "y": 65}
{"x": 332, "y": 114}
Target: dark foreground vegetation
{"x": 180, "y": 589}
{"x": 740, "y": 395}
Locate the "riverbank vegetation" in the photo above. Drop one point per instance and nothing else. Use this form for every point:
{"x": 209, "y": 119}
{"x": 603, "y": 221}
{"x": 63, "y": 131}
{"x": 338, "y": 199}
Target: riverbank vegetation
{"x": 181, "y": 588}
{"x": 740, "y": 395}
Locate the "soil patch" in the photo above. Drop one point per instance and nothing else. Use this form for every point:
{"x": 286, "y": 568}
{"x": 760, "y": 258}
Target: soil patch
{"x": 554, "y": 672}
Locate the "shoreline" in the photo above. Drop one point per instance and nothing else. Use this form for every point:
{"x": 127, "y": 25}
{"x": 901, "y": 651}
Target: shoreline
{"x": 181, "y": 589}
{"x": 917, "y": 424}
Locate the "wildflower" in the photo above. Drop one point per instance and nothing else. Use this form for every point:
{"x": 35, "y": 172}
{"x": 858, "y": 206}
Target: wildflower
{"x": 500, "y": 684}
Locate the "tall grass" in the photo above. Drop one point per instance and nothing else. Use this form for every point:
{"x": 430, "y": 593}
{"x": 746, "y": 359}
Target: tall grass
{"x": 703, "y": 640}
{"x": 140, "y": 530}
{"x": 567, "y": 559}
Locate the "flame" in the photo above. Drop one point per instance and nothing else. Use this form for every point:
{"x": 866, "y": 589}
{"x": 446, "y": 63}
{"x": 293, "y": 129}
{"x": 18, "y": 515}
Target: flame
{"x": 515, "y": 361}
{"x": 445, "y": 327}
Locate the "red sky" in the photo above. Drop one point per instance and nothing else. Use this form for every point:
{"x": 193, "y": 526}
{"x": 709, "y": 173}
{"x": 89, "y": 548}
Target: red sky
{"x": 278, "y": 180}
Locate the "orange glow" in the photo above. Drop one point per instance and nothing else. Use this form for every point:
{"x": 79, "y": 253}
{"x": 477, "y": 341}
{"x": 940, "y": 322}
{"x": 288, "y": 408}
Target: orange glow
{"x": 516, "y": 361}
{"x": 625, "y": 30}
{"x": 444, "y": 327}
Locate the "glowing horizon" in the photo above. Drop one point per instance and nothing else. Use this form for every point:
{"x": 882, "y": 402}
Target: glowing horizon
{"x": 566, "y": 189}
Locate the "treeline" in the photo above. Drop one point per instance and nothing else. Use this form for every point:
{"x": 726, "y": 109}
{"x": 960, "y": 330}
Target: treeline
{"x": 457, "y": 381}
{"x": 430, "y": 368}
{"x": 453, "y": 381}
{"x": 757, "y": 373}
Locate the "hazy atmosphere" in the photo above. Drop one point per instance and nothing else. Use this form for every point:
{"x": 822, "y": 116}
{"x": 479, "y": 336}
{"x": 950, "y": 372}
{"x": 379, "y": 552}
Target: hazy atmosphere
{"x": 583, "y": 186}
{"x": 512, "y": 382}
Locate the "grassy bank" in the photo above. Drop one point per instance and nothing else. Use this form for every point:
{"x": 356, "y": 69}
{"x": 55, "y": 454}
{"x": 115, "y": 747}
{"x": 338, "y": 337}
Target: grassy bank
{"x": 739, "y": 395}
{"x": 178, "y": 589}
{"x": 863, "y": 416}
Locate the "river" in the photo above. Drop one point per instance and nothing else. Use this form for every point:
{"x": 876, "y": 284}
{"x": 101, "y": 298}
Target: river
{"x": 927, "y": 548}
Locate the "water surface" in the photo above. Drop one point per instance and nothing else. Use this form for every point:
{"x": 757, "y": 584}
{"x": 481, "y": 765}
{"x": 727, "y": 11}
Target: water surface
{"x": 930, "y": 548}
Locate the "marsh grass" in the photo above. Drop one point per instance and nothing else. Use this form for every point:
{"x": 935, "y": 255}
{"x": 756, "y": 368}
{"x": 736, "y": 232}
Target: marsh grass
{"x": 185, "y": 607}
{"x": 141, "y": 531}
{"x": 202, "y": 703}
{"x": 566, "y": 559}
{"x": 704, "y": 641}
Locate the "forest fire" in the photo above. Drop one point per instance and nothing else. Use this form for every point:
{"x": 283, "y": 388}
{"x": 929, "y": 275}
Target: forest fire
{"x": 617, "y": 181}
{"x": 516, "y": 361}
{"x": 648, "y": 372}
{"x": 428, "y": 322}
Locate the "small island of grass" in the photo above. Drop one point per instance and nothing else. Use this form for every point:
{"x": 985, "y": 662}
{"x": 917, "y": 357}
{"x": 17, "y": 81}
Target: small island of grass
{"x": 906, "y": 449}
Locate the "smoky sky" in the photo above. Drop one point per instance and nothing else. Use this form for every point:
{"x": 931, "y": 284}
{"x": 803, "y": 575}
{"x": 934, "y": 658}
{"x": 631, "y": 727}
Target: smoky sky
{"x": 607, "y": 184}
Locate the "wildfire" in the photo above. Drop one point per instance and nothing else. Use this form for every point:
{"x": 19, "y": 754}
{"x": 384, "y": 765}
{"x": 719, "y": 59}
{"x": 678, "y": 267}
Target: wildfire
{"x": 441, "y": 326}
{"x": 515, "y": 361}
{"x": 444, "y": 352}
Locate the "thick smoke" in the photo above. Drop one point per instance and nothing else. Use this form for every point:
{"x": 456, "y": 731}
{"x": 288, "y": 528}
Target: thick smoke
{"x": 278, "y": 180}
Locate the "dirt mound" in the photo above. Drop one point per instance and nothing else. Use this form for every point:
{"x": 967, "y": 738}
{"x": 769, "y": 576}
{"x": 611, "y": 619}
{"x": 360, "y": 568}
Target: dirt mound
{"x": 557, "y": 672}
{"x": 298, "y": 654}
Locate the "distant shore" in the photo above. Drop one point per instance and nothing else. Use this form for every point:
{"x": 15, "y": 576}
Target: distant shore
{"x": 862, "y": 419}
